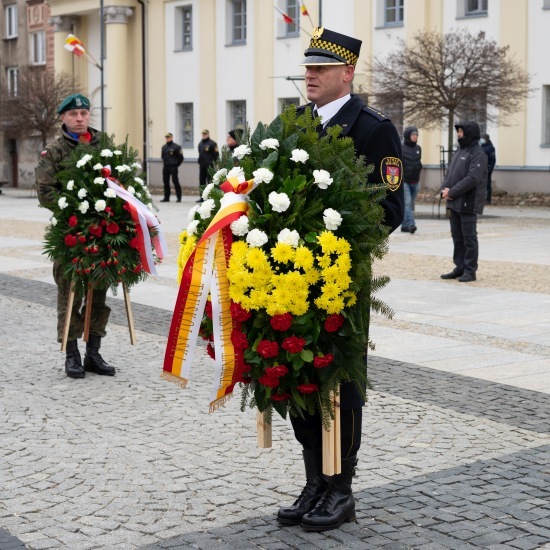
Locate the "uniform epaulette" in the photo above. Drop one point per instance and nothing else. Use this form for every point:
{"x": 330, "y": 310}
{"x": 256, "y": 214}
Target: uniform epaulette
{"x": 375, "y": 113}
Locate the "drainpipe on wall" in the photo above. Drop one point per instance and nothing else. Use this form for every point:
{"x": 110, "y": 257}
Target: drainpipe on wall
{"x": 144, "y": 80}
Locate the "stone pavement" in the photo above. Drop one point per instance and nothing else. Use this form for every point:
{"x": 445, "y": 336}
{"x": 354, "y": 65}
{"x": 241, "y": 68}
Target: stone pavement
{"x": 456, "y": 442}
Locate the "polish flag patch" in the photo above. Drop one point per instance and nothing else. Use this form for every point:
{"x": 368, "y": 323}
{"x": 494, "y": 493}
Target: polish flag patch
{"x": 43, "y": 153}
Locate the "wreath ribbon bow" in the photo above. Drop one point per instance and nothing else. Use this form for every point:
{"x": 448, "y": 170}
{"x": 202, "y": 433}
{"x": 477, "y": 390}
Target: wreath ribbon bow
{"x": 206, "y": 273}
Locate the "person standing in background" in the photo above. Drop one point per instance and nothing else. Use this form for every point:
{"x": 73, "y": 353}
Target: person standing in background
{"x": 208, "y": 155}
{"x": 172, "y": 157}
{"x": 490, "y": 151}
{"x": 234, "y": 138}
{"x": 412, "y": 166}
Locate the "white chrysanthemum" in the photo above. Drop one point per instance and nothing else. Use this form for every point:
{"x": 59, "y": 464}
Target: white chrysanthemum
{"x": 192, "y": 227}
{"x": 98, "y": 166}
{"x": 53, "y": 221}
{"x": 110, "y": 193}
{"x": 256, "y": 238}
{"x": 138, "y": 180}
{"x": 123, "y": 168}
{"x": 269, "y": 144}
{"x": 70, "y": 185}
{"x": 131, "y": 190}
{"x": 299, "y": 155}
{"x": 99, "y": 180}
{"x": 235, "y": 172}
{"x": 138, "y": 195}
{"x": 100, "y": 205}
{"x": 206, "y": 192}
{"x": 191, "y": 214}
{"x": 322, "y": 178}
{"x": 136, "y": 165}
{"x": 279, "y": 201}
{"x": 83, "y": 161}
{"x": 205, "y": 209}
{"x": 62, "y": 203}
{"x": 287, "y": 236}
{"x": 219, "y": 176}
{"x": 262, "y": 175}
{"x": 82, "y": 193}
{"x": 240, "y": 227}
{"x": 241, "y": 151}
{"x": 106, "y": 153}
{"x": 83, "y": 206}
{"x": 117, "y": 152}
{"x": 332, "y": 219}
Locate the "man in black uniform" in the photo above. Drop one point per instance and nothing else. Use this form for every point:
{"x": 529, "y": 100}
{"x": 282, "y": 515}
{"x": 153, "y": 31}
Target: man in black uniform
{"x": 327, "y": 502}
{"x": 172, "y": 157}
{"x": 208, "y": 155}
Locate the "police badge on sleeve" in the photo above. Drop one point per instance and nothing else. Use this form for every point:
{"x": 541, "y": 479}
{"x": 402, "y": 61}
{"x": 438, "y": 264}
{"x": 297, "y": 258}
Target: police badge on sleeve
{"x": 391, "y": 169}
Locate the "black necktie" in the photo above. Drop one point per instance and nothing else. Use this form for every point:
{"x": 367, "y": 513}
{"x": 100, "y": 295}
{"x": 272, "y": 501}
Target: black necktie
{"x": 319, "y": 127}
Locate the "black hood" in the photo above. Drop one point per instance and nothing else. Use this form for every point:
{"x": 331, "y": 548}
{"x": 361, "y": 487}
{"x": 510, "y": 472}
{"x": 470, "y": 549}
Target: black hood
{"x": 471, "y": 131}
{"x": 407, "y": 135}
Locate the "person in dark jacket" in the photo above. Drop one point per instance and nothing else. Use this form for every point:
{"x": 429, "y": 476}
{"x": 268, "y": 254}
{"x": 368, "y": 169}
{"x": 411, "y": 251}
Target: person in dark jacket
{"x": 412, "y": 166}
{"x": 172, "y": 157}
{"x": 464, "y": 187}
{"x": 327, "y": 502}
{"x": 234, "y": 138}
{"x": 490, "y": 151}
{"x": 208, "y": 155}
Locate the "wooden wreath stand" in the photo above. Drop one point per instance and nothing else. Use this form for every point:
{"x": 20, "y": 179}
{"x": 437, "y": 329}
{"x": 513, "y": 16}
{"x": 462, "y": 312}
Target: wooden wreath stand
{"x": 88, "y": 314}
{"x": 332, "y": 446}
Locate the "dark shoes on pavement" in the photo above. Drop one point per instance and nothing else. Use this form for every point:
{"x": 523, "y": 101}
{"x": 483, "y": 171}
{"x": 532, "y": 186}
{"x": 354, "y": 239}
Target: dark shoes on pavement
{"x": 460, "y": 276}
{"x": 467, "y": 278}
{"x": 165, "y": 200}
{"x": 73, "y": 361}
{"x": 93, "y": 362}
{"x": 410, "y": 229}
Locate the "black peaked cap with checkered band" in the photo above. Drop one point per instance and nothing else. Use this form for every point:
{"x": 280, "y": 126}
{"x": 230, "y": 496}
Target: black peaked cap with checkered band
{"x": 329, "y": 47}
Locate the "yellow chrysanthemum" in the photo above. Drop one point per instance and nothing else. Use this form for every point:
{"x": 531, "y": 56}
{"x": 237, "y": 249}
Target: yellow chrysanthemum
{"x": 323, "y": 260}
{"x": 282, "y": 253}
{"x": 303, "y": 258}
{"x": 311, "y": 276}
{"x": 350, "y": 298}
{"x": 256, "y": 258}
{"x": 328, "y": 241}
{"x": 188, "y": 244}
{"x": 342, "y": 246}
{"x": 331, "y": 290}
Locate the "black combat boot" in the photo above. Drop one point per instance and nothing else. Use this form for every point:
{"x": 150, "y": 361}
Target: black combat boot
{"x": 312, "y": 492}
{"x": 93, "y": 362}
{"x": 73, "y": 362}
{"x": 337, "y": 504}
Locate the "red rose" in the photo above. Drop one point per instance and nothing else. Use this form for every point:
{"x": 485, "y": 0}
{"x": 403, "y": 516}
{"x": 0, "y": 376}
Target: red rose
{"x": 293, "y": 344}
{"x": 238, "y": 339}
{"x": 75, "y": 260}
{"x": 73, "y": 221}
{"x": 334, "y": 322}
{"x": 96, "y": 230}
{"x": 210, "y": 351}
{"x": 103, "y": 264}
{"x": 320, "y": 362}
{"x": 112, "y": 227}
{"x": 208, "y": 309}
{"x": 134, "y": 243}
{"x": 277, "y": 371}
{"x": 239, "y": 313}
{"x": 70, "y": 240}
{"x": 307, "y": 388}
{"x": 137, "y": 269}
{"x": 82, "y": 238}
{"x": 280, "y": 397}
{"x": 281, "y": 322}
{"x": 268, "y": 381}
{"x": 109, "y": 210}
{"x": 268, "y": 349}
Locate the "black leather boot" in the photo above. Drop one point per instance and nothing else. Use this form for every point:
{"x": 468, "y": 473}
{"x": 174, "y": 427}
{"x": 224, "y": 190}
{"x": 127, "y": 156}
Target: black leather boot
{"x": 315, "y": 487}
{"x": 93, "y": 362}
{"x": 73, "y": 362}
{"x": 337, "y": 504}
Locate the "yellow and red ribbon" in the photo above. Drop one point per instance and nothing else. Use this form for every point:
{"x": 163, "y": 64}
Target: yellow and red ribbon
{"x": 206, "y": 273}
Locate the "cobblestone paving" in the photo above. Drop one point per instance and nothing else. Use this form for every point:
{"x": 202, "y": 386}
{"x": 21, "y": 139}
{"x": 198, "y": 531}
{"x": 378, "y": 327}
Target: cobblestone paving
{"x": 135, "y": 462}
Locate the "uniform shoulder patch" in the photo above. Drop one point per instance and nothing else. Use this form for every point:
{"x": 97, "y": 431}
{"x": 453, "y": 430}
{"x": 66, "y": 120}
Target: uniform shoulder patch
{"x": 375, "y": 113}
{"x": 43, "y": 153}
{"x": 391, "y": 170}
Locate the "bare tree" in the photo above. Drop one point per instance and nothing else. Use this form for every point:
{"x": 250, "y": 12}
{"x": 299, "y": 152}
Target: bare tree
{"x": 437, "y": 77}
{"x": 32, "y": 110}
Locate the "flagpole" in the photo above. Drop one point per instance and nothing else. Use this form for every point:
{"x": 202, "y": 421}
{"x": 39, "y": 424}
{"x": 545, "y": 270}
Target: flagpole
{"x": 101, "y": 67}
{"x": 320, "y": 13}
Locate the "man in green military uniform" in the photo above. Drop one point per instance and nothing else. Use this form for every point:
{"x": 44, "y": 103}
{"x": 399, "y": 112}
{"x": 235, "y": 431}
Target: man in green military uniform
{"x": 75, "y": 116}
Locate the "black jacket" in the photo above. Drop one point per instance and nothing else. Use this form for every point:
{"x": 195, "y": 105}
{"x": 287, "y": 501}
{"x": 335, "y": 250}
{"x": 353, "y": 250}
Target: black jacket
{"x": 208, "y": 152}
{"x": 412, "y": 157}
{"x": 172, "y": 154}
{"x": 467, "y": 175}
{"x": 490, "y": 151}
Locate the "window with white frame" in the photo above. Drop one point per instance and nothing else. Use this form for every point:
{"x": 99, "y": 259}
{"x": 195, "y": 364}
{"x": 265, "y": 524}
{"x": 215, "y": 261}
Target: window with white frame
{"x": 475, "y": 7}
{"x": 10, "y": 12}
{"x": 11, "y": 80}
{"x": 393, "y": 12}
{"x": 185, "y": 119}
{"x": 184, "y": 28}
{"x": 286, "y": 101}
{"x": 237, "y": 115}
{"x": 38, "y": 47}
{"x": 293, "y": 11}
{"x": 546, "y": 115}
{"x": 238, "y": 21}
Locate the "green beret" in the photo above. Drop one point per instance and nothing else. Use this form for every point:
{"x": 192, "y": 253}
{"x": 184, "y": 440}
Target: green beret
{"x": 74, "y": 101}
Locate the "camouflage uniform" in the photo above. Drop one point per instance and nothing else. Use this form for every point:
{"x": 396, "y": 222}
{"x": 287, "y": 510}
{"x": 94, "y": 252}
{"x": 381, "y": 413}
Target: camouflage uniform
{"x": 47, "y": 187}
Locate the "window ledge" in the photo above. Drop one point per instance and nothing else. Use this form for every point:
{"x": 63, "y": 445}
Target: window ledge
{"x": 389, "y": 26}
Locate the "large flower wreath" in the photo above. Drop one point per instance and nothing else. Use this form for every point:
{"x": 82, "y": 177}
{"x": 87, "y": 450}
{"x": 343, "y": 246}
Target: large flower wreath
{"x": 103, "y": 228}
{"x": 299, "y": 269}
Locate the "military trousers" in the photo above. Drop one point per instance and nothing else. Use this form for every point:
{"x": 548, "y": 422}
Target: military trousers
{"x": 100, "y": 310}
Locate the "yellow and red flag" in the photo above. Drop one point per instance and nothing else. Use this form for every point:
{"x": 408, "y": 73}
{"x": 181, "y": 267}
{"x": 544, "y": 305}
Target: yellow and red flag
{"x": 303, "y": 9}
{"x": 74, "y": 45}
